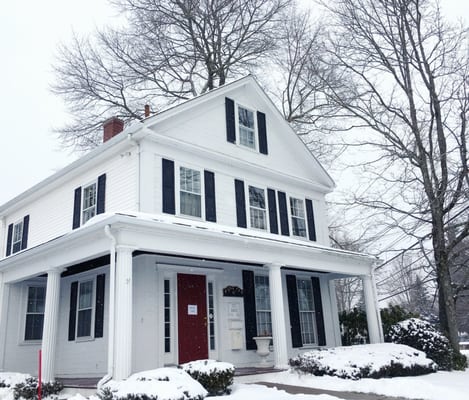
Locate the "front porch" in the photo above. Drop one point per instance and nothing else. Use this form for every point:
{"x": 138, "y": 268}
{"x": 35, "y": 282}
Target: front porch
{"x": 134, "y": 312}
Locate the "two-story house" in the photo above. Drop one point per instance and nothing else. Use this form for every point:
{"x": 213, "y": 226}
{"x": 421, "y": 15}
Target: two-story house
{"x": 181, "y": 237}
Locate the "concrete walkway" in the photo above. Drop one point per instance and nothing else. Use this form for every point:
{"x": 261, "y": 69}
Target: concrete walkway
{"x": 342, "y": 395}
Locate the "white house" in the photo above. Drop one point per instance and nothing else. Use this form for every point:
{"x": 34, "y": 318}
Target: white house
{"x": 181, "y": 237}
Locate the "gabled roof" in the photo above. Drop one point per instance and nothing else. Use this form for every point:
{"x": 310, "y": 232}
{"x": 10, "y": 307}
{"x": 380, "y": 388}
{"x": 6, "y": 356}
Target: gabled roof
{"x": 137, "y": 131}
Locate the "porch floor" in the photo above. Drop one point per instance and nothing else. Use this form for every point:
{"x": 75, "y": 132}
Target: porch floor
{"x": 91, "y": 383}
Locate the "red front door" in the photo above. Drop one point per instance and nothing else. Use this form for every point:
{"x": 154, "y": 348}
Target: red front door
{"x": 192, "y": 318}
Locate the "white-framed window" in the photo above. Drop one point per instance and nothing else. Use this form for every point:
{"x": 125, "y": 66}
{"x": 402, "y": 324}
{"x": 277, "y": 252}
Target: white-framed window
{"x": 85, "y": 308}
{"x": 263, "y": 309}
{"x": 35, "y": 313}
{"x": 246, "y": 127}
{"x": 17, "y": 238}
{"x": 298, "y": 220}
{"x": 190, "y": 193}
{"x": 306, "y": 310}
{"x": 89, "y": 200}
{"x": 257, "y": 208}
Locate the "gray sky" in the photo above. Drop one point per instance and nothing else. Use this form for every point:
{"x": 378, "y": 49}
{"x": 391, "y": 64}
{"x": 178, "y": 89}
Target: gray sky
{"x": 30, "y": 31}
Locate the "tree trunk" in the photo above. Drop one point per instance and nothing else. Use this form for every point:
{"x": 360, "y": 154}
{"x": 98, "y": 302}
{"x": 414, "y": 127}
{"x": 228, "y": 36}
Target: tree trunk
{"x": 447, "y": 310}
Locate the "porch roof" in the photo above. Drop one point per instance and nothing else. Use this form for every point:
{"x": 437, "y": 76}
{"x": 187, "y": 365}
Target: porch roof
{"x": 181, "y": 237}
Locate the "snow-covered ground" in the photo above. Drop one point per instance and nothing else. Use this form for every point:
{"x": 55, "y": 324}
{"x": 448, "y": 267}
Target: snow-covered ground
{"x": 435, "y": 386}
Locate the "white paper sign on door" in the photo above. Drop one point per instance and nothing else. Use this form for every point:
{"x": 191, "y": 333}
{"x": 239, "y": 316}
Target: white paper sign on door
{"x": 192, "y": 309}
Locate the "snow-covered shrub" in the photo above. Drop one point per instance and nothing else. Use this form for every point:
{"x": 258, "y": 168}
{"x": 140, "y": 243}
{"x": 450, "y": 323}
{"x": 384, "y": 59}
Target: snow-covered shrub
{"x": 364, "y": 361}
{"x": 215, "y": 376}
{"x": 28, "y": 389}
{"x": 158, "y": 384}
{"x": 422, "y": 335}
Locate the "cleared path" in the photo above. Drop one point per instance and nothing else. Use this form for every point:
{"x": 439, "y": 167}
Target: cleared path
{"x": 342, "y": 395}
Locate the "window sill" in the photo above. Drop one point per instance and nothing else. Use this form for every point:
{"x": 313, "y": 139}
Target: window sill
{"x": 84, "y": 339}
{"x": 30, "y": 343}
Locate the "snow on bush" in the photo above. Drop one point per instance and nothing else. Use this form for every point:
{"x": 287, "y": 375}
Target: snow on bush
{"x": 215, "y": 376}
{"x": 423, "y": 336}
{"x": 160, "y": 384}
{"x": 364, "y": 361}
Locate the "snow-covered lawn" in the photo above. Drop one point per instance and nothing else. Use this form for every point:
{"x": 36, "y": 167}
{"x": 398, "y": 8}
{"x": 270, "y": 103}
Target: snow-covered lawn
{"x": 435, "y": 386}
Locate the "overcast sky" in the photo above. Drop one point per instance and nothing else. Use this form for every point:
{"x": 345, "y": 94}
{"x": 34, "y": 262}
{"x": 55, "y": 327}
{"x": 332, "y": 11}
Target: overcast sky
{"x": 30, "y": 31}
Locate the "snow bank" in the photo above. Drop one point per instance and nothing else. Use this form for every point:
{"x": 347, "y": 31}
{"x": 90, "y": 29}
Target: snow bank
{"x": 161, "y": 383}
{"x": 355, "y": 362}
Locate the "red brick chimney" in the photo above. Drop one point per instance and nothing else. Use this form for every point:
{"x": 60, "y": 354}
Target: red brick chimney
{"x": 112, "y": 127}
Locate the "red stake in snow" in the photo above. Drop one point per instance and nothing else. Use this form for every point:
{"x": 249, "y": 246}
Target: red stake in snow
{"x": 39, "y": 386}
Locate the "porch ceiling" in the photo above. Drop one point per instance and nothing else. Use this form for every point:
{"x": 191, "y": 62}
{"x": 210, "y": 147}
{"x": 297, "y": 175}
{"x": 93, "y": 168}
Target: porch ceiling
{"x": 181, "y": 237}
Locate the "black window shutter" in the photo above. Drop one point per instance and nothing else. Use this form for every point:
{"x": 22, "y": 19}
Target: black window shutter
{"x": 282, "y": 206}
{"x": 99, "y": 313}
{"x": 272, "y": 210}
{"x": 101, "y": 197}
{"x": 9, "y": 239}
{"x": 230, "y": 120}
{"x": 72, "y": 318}
{"x": 169, "y": 201}
{"x": 210, "y": 199}
{"x": 250, "y": 322}
{"x": 240, "y": 204}
{"x": 310, "y": 217}
{"x": 77, "y": 208}
{"x": 292, "y": 294}
{"x": 24, "y": 239}
{"x": 318, "y": 311}
{"x": 262, "y": 132}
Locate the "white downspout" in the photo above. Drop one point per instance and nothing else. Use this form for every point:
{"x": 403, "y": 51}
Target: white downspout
{"x": 112, "y": 289}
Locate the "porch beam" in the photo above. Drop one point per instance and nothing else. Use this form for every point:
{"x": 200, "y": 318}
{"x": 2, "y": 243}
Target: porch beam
{"x": 279, "y": 335}
{"x": 49, "y": 332}
{"x": 372, "y": 310}
{"x": 123, "y": 314}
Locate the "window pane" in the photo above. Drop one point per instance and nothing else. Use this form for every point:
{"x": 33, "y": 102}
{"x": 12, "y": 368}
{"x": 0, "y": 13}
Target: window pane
{"x": 84, "y": 323}
{"x": 36, "y": 299}
{"x": 246, "y": 127}
{"x": 306, "y": 309}
{"x": 262, "y": 294}
{"x": 246, "y": 117}
{"x": 190, "y": 197}
{"x": 89, "y": 202}
{"x": 190, "y": 204}
{"x": 86, "y": 295}
{"x": 257, "y": 208}
{"x": 33, "y": 328}
{"x": 18, "y": 232}
{"x": 298, "y": 217}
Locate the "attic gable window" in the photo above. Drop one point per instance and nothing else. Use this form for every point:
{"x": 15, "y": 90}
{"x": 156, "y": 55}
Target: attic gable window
{"x": 246, "y": 128}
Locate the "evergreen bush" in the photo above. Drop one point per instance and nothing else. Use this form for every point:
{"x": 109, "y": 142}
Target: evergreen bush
{"x": 216, "y": 377}
{"x": 28, "y": 389}
{"x": 422, "y": 335}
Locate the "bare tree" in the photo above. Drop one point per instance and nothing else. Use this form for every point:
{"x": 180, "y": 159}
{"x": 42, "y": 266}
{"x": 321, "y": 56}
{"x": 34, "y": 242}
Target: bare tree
{"x": 406, "y": 77}
{"x": 170, "y": 50}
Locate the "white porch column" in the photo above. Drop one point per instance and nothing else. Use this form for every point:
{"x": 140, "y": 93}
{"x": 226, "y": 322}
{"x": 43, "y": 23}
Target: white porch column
{"x": 372, "y": 311}
{"x": 4, "y": 293}
{"x": 279, "y": 335}
{"x": 49, "y": 331}
{"x": 123, "y": 314}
